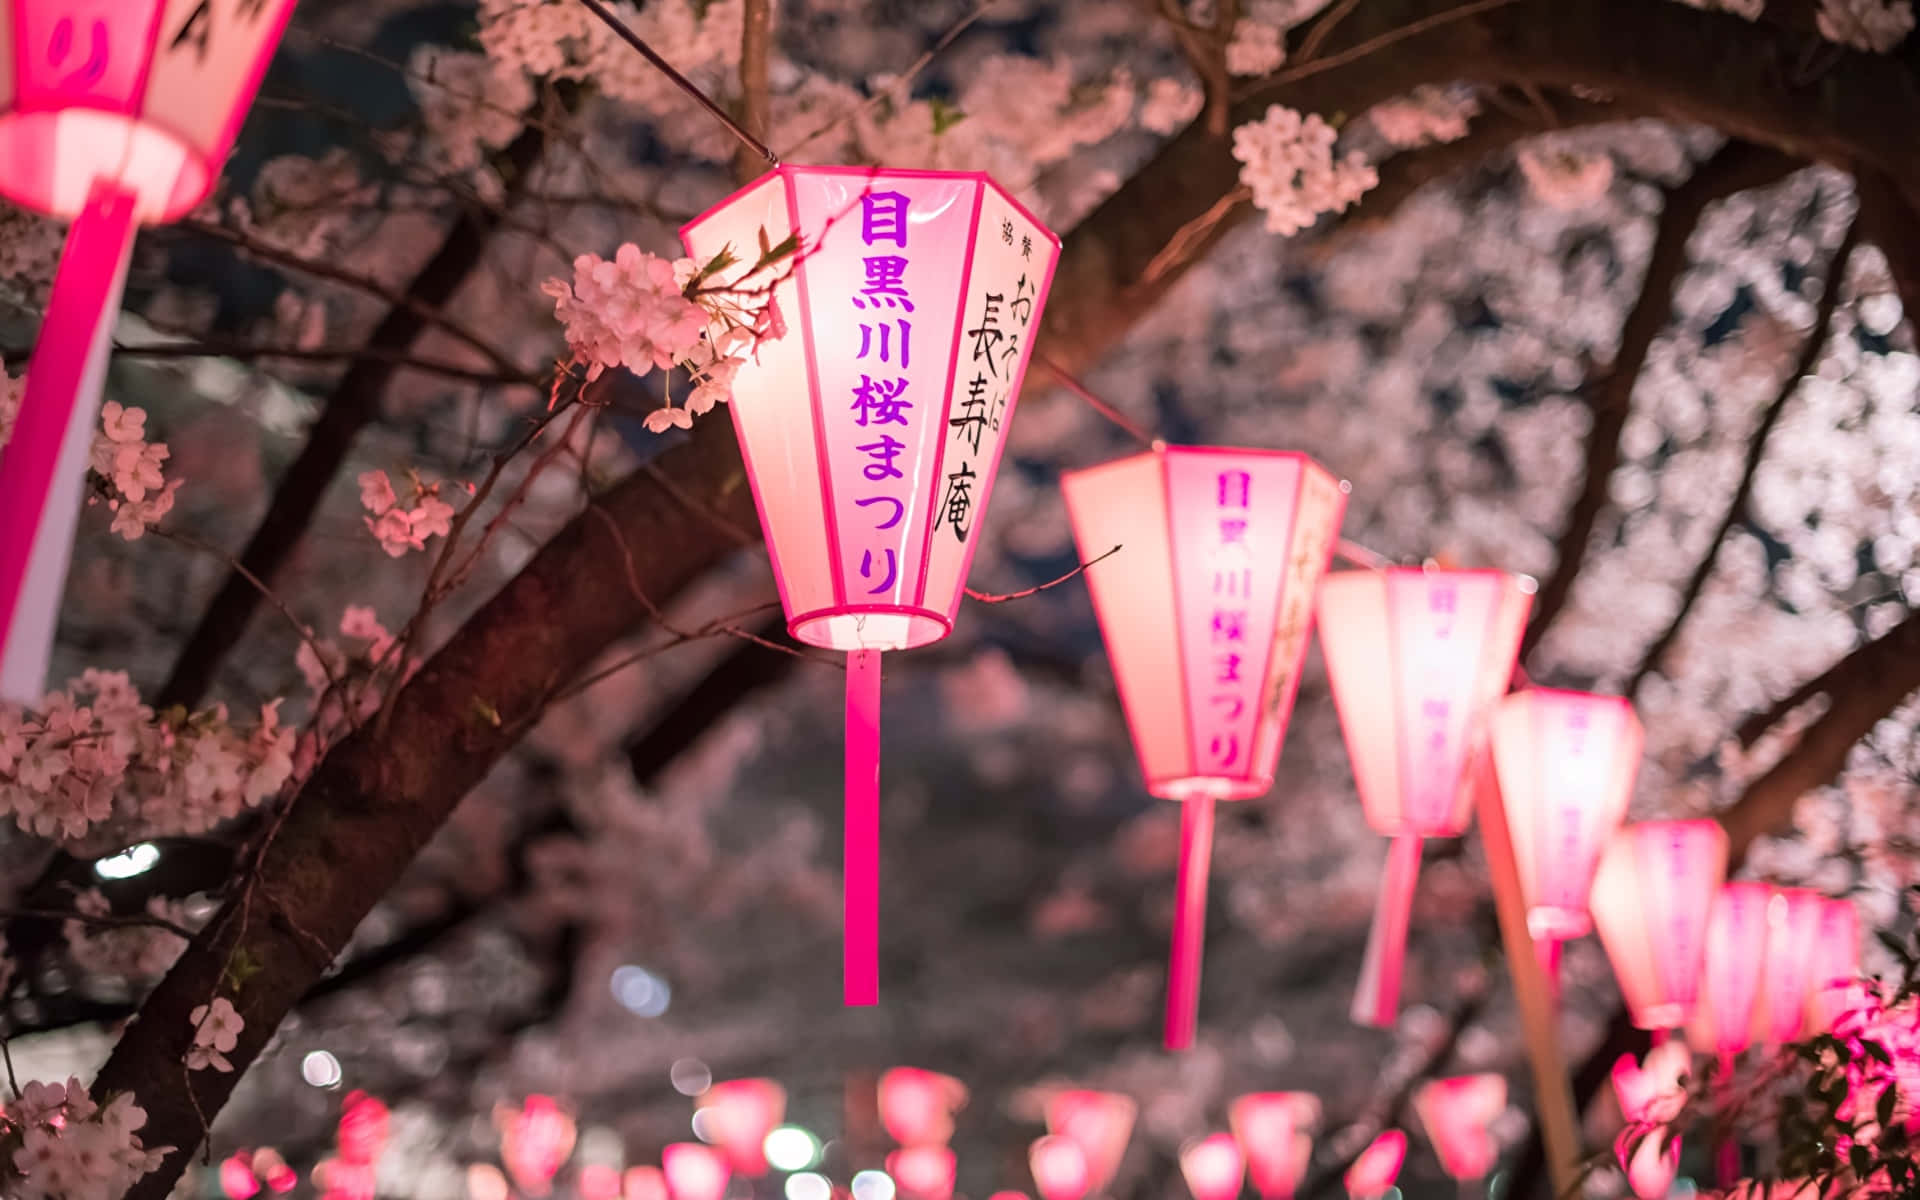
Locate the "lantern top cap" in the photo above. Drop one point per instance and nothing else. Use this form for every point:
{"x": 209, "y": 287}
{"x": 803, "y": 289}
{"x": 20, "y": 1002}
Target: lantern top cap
{"x": 1570, "y": 693}
{"x": 1163, "y": 450}
{"x": 790, "y": 171}
{"x": 1525, "y": 581}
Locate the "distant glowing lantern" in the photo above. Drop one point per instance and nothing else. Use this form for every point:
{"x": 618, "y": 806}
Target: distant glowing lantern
{"x": 871, "y": 422}
{"x": 1416, "y": 659}
{"x": 1275, "y": 1132}
{"x": 485, "y": 1182}
{"x": 1458, "y": 1114}
{"x": 535, "y": 1143}
{"x": 1059, "y": 1168}
{"x": 743, "y": 1112}
{"x": 362, "y": 1133}
{"x": 1213, "y": 1167}
{"x": 1652, "y": 896}
{"x": 1372, "y": 1174}
{"x": 113, "y": 113}
{"x": 273, "y": 1170}
{"x": 1566, "y": 762}
{"x": 1731, "y": 972}
{"x": 643, "y": 1183}
{"x": 598, "y": 1181}
{"x": 922, "y": 1172}
{"x": 1836, "y": 966}
{"x": 917, "y": 1106}
{"x": 1100, "y": 1124}
{"x": 1786, "y": 979}
{"x": 694, "y": 1171}
{"x": 237, "y": 1181}
{"x": 1206, "y": 611}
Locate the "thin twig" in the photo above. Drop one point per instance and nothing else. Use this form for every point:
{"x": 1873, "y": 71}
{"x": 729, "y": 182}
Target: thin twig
{"x": 99, "y": 921}
{"x": 259, "y": 585}
{"x": 1372, "y": 45}
{"x": 991, "y": 598}
{"x": 241, "y": 351}
{"x": 1360, "y": 556}
{"x": 13, "y": 1081}
{"x": 1317, "y": 36}
{"x": 1094, "y": 402}
{"x": 727, "y": 626}
{"x": 680, "y": 81}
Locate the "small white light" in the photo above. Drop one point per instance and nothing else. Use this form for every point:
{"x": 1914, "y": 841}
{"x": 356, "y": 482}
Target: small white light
{"x": 808, "y": 1186}
{"x": 791, "y": 1148}
{"x": 690, "y": 1076}
{"x": 703, "y": 1125}
{"x": 873, "y": 1185}
{"x": 320, "y": 1069}
{"x": 134, "y": 860}
{"x": 640, "y": 991}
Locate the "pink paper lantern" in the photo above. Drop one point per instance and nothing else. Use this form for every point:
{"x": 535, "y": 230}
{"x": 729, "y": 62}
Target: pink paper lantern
{"x": 917, "y": 1106}
{"x": 742, "y": 1113}
{"x": 485, "y": 1182}
{"x": 871, "y": 423}
{"x": 1059, "y": 1168}
{"x": 1458, "y": 1114}
{"x": 1732, "y": 968}
{"x": 1416, "y": 658}
{"x": 1275, "y": 1132}
{"x": 535, "y": 1144}
{"x": 113, "y": 113}
{"x": 1652, "y": 896}
{"x": 1566, "y": 762}
{"x": 1100, "y": 1123}
{"x": 1786, "y": 979}
{"x": 598, "y": 1181}
{"x": 643, "y": 1183}
{"x": 694, "y": 1171}
{"x": 1206, "y": 611}
{"x": 1213, "y": 1167}
{"x": 237, "y": 1180}
{"x": 1836, "y": 966}
{"x": 1372, "y": 1174}
{"x": 923, "y": 1172}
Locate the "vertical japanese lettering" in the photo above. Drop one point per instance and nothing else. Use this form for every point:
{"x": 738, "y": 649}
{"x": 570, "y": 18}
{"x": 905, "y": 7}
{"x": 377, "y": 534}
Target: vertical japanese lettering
{"x": 880, "y": 401}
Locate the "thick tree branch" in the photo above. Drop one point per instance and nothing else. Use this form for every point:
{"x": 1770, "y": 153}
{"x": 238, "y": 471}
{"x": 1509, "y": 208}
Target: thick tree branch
{"x": 756, "y": 39}
{"x": 1737, "y": 167}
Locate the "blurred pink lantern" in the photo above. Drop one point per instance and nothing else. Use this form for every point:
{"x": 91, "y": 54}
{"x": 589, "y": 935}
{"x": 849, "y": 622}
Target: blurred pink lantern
{"x": 598, "y": 1181}
{"x": 1275, "y": 1132}
{"x": 1100, "y": 1124}
{"x": 1372, "y": 1174}
{"x": 1457, "y": 1114}
{"x": 1416, "y": 659}
{"x": 1836, "y": 966}
{"x": 1786, "y": 979}
{"x": 922, "y": 1172}
{"x": 272, "y": 1169}
{"x": 535, "y": 1143}
{"x": 1566, "y": 762}
{"x": 917, "y": 1106}
{"x": 742, "y": 1112}
{"x": 1651, "y": 1094}
{"x": 1652, "y": 897}
{"x": 871, "y": 419}
{"x": 1213, "y": 1167}
{"x": 113, "y": 113}
{"x": 1008, "y": 1196}
{"x": 485, "y": 1182}
{"x": 1722, "y": 1022}
{"x": 1652, "y": 1163}
{"x": 1206, "y": 611}
{"x": 643, "y": 1183}
{"x": 694, "y": 1171}
{"x": 1059, "y": 1168}
{"x": 237, "y": 1181}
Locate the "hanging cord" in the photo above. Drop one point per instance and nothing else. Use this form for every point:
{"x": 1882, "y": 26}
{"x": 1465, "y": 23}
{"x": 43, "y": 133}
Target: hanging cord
{"x": 681, "y": 81}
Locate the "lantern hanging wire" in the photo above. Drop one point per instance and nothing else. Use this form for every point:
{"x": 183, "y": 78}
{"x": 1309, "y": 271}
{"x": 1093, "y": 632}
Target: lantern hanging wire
{"x": 680, "y": 81}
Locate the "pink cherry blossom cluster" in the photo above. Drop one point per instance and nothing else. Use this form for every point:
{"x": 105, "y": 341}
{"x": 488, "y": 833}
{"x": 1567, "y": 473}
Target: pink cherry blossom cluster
{"x": 1652, "y": 1095}
{"x": 128, "y": 951}
{"x": 403, "y": 527}
{"x": 349, "y": 678}
{"x": 216, "y": 1031}
{"x": 95, "y": 754}
{"x": 1287, "y": 162}
{"x": 126, "y": 468}
{"x": 1426, "y": 114}
{"x": 65, "y": 1147}
{"x": 1169, "y": 105}
{"x": 1874, "y": 25}
{"x": 1256, "y": 47}
{"x": 1565, "y": 179}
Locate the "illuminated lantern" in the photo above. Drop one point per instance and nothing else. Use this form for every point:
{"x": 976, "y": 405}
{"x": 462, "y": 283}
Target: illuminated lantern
{"x": 694, "y": 1171}
{"x": 917, "y": 1106}
{"x": 643, "y": 1183}
{"x": 1100, "y": 1124}
{"x": 274, "y": 1171}
{"x": 871, "y": 420}
{"x": 1416, "y": 659}
{"x": 1059, "y": 1168}
{"x": 1275, "y": 1131}
{"x": 598, "y": 1181}
{"x": 1836, "y": 966}
{"x": 1786, "y": 980}
{"x": 1372, "y": 1174}
{"x": 1206, "y": 611}
{"x": 1653, "y": 894}
{"x": 485, "y": 1182}
{"x": 237, "y": 1181}
{"x": 1566, "y": 762}
{"x": 114, "y": 114}
{"x": 923, "y": 1172}
{"x": 535, "y": 1143}
{"x": 1457, "y": 1114}
{"x": 1735, "y": 958}
{"x": 742, "y": 1113}
{"x": 1213, "y": 1167}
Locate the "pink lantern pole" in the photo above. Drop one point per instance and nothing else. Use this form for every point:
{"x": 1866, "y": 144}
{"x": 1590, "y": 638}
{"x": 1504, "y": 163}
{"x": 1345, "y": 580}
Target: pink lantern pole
{"x": 1213, "y": 1167}
{"x": 1100, "y": 1123}
{"x": 1059, "y": 1168}
{"x": 1786, "y": 980}
{"x": 1566, "y": 762}
{"x": 744, "y": 1112}
{"x": 1457, "y": 1114}
{"x": 1275, "y": 1132}
{"x": 1652, "y": 897}
{"x": 1372, "y": 1174}
{"x": 871, "y": 423}
{"x": 1836, "y": 966}
{"x": 1206, "y": 611}
{"x": 917, "y": 1106}
{"x": 923, "y": 1172}
{"x": 113, "y": 113}
{"x": 694, "y": 1171}
{"x": 1416, "y": 659}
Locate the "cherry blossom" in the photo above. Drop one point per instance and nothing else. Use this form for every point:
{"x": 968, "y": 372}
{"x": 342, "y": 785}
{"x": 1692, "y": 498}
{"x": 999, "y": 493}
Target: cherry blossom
{"x": 216, "y": 1031}
{"x": 1875, "y": 25}
{"x": 69, "y": 1148}
{"x": 402, "y": 527}
{"x": 129, "y": 951}
{"x": 1427, "y": 114}
{"x": 1256, "y": 48}
{"x": 1288, "y": 163}
{"x": 1566, "y": 179}
{"x": 1750, "y": 9}
{"x": 126, "y": 469}
{"x": 1170, "y": 104}
{"x": 628, "y": 312}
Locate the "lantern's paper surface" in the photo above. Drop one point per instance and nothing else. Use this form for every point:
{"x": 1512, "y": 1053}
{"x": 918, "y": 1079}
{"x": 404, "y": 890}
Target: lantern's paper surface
{"x": 922, "y": 1172}
{"x": 1836, "y": 965}
{"x": 743, "y": 1112}
{"x": 1275, "y": 1132}
{"x": 1732, "y": 971}
{"x": 1457, "y": 1114}
{"x": 917, "y": 1106}
{"x": 1059, "y": 1168}
{"x": 1786, "y": 979}
{"x": 535, "y": 1144}
{"x": 1213, "y": 1167}
{"x": 643, "y": 1183}
{"x": 1100, "y": 1123}
{"x": 1566, "y": 762}
{"x": 694, "y": 1171}
{"x": 1373, "y": 1173}
{"x": 1652, "y": 896}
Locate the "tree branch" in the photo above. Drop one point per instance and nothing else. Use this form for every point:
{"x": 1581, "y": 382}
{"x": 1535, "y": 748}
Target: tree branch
{"x": 756, "y": 37}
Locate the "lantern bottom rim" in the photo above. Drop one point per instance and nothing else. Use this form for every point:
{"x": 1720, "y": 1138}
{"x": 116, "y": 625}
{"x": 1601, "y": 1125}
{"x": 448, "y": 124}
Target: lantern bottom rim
{"x": 71, "y": 148}
{"x": 1559, "y": 924}
{"x": 1208, "y": 787}
{"x": 1661, "y": 1016}
{"x": 851, "y": 627}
